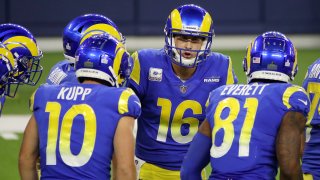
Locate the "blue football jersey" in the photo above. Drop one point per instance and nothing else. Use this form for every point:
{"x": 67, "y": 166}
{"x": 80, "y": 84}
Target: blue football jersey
{"x": 244, "y": 120}
{"x": 172, "y": 109}
{"x": 76, "y": 126}
{"x": 311, "y": 156}
{"x": 62, "y": 72}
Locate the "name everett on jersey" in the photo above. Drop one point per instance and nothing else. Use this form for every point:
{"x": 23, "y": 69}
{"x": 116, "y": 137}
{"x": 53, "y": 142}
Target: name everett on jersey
{"x": 244, "y": 90}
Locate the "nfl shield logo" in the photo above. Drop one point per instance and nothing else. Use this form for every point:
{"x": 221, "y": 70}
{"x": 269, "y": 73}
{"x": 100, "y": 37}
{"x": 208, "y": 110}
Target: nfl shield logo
{"x": 183, "y": 89}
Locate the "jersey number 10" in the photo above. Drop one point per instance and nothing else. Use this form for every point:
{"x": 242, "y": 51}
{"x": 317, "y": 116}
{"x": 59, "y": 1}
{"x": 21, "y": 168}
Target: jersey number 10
{"x": 54, "y": 108}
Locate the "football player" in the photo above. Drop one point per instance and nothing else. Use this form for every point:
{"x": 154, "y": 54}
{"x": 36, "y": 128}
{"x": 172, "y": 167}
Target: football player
{"x": 311, "y": 155}
{"x": 173, "y": 85}
{"x": 77, "y": 128}
{"x": 74, "y": 34}
{"x": 26, "y": 52}
{"x": 251, "y": 129}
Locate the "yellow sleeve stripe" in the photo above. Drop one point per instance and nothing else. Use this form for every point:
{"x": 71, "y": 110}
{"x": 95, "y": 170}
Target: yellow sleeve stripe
{"x": 230, "y": 79}
{"x": 123, "y": 101}
{"x": 287, "y": 94}
{"x": 313, "y": 88}
{"x": 31, "y": 101}
{"x": 135, "y": 74}
{"x": 207, "y": 102}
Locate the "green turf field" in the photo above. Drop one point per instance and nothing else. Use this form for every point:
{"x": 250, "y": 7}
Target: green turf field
{"x": 19, "y": 105}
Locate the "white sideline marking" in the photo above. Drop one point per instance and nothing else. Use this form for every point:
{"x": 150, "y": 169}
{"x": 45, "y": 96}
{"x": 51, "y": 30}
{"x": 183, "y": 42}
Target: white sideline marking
{"x": 13, "y": 123}
{"x": 9, "y": 136}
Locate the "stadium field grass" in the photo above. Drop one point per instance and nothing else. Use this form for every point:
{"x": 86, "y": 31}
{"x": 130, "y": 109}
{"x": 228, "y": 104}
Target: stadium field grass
{"x": 19, "y": 105}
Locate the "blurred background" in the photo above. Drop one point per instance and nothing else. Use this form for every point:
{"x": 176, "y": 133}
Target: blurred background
{"x": 147, "y": 17}
{"x": 236, "y": 23}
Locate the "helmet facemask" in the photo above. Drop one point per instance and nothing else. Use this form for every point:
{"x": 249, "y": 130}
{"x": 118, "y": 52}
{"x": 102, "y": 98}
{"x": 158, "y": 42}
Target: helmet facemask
{"x": 176, "y": 53}
{"x": 30, "y": 69}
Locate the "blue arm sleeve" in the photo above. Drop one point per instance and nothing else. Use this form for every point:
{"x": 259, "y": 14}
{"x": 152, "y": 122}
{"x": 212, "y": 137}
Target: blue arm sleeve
{"x": 197, "y": 157}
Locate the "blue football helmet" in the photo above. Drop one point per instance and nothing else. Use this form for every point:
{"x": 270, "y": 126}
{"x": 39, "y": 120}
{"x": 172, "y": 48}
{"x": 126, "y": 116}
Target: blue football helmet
{"x": 271, "y": 56}
{"x": 7, "y": 67}
{"x": 103, "y": 57}
{"x": 25, "y": 50}
{"x": 83, "y": 27}
{"x": 190, "y": 20}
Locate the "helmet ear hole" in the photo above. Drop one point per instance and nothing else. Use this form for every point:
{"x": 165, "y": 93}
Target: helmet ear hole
{"x": 80, "y": 29}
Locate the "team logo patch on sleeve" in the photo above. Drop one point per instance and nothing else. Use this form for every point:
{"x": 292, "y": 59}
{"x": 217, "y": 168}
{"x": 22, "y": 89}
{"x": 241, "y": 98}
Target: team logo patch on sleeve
{"x": 155, "y": 74}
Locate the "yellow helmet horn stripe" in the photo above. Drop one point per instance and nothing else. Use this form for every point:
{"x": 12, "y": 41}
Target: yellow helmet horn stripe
{"x": 29, "y": 43}
{"x": 176, "y": 19}
{"x": 249, "y": 57}
{"x": 13, "y": 45}
{"x": 206, "y": 23}
{"x": 295, "y": 60}
{"x": 99, "y": 29}
{"x": 8, "y": 55}
{"x": 117, "y": 61}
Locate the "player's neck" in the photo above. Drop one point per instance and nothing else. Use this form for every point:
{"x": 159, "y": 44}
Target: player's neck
{"x": 183, "y": 73}
{"x": 90, "y": 82}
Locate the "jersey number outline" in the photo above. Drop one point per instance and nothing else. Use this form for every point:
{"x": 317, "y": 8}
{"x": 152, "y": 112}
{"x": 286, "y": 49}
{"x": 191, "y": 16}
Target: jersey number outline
{"x": 178, "y": 120}
{"x": 312, "y": 88}
{"x": 226, "y": 124}
{"x": 89, "y": 137}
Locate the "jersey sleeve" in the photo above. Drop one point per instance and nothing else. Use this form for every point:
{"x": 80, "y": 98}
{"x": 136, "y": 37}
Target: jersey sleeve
{"x": 33, "y": 106}
{"x": 210, "y": 105}
{"x": 296, "y": 99}
{"x": 231, "y": 76}
{"x": 129, "y": 104}
{"x": 305, "y": 81}
{"x": 57, "y": 73}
